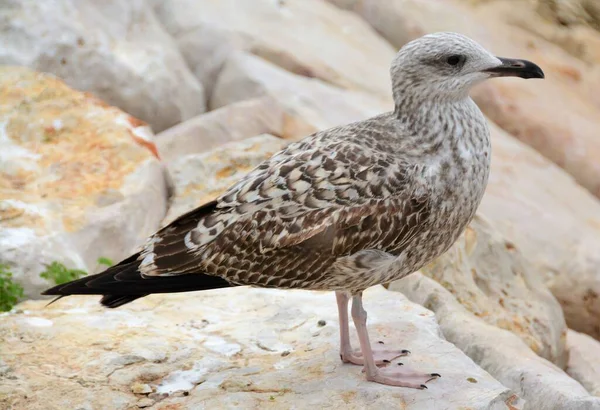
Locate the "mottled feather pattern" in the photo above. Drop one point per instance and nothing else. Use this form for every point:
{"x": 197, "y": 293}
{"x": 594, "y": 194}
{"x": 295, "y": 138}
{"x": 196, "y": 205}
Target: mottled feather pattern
{"x": 298, "y": 218}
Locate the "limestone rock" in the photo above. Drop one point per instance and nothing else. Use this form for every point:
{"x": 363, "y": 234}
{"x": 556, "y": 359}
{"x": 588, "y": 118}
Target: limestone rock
{"x": 558, "y": 116}
{"x": 494, "y": 283}
{"x": 78, "y": 179}
{"x": 233, "y": 348}
{"x": 584, "y": 361}
{"x": 311, "y": 104}
{"x": 200, "y": 178}
{"x": 115, "y": 49}
{"x": 503, "y": 354}
{"x": 552, "y": 221}
{"x": 571, "y": 12}
{"x": 230, "y": 123}
{"x": 571, "y": 28}
{"x": 307, "y": 37}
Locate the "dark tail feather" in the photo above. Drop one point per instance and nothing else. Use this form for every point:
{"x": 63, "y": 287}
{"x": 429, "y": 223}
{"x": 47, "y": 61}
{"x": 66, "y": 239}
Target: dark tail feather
{"x": 123, "y": 283}
{"x": 114, "y": 301}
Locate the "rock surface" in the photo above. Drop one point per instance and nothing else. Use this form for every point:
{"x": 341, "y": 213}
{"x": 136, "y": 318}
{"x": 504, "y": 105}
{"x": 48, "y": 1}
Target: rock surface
{"x": 503, "y": 354}
{"x": 115, "y": 49}
{"x": 311, "y": 104}
{"x": 230, "y": 123}
{"x": 74, "y": 175}
{"x": 200, "y": 178}
{"x": 584, "y": 361}
{"x": 552, "y": 221}
{"x": 232, "y": 348}
{"x": 286, "y": 33}
{"x": 558, "y": 116}
{"x": 490, "y": 279}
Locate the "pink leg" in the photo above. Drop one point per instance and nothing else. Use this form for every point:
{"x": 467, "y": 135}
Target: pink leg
{"x": 347, "y": 354}
{"x": 393, "y": 376}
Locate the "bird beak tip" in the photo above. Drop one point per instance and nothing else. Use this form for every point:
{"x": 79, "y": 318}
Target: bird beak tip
{"x": 510, "y": 67}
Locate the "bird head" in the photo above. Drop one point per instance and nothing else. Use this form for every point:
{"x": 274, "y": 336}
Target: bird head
{"x": 444, "y": 66}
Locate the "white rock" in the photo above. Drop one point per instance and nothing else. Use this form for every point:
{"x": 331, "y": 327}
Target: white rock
{"x": 541, "y": 384}
{"x": 313, "y": 104}
{"x": 552, "y": 221}
{"x": 584, "y": 361}
{"x": 117, "y": 50}
{"x": 307, "y": 37}
{"x": 309, "y": 375}
{"x": 88, "y": 188}
{"x": 231, "y": 123}
{"x": 497, "y": 285}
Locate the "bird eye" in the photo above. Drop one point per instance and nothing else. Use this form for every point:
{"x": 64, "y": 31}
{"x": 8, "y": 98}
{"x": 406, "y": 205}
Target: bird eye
{"x": 455, "y": 59}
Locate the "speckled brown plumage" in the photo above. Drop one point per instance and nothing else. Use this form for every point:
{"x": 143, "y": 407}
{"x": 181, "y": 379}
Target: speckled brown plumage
{"x": 364, "y": 189}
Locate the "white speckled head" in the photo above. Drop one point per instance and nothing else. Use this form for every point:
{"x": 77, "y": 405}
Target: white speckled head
{"x": 445, "y": 66}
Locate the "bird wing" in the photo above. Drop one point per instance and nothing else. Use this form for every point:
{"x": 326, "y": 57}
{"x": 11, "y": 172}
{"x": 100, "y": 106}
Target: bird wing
{"x": 289, "y": 220}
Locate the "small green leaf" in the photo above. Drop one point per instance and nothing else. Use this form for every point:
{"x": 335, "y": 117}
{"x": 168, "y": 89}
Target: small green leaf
{"x": 59, "y": 273}
{"x": 105, "y": 261}
{"x": 10, "y": 291}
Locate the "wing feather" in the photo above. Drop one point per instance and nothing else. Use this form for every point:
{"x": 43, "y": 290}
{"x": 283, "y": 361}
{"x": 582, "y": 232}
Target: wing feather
{"x": 289, "y": 219}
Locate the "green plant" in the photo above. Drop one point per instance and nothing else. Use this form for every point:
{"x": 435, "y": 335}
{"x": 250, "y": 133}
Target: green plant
{"x": 105, "y": 261}
{"x": 10, "y": 291}
{"x": 59, "y": 273}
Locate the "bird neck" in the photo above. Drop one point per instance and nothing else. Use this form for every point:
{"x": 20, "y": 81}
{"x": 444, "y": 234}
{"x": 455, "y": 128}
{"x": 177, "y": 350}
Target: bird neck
{"x": 437, "y": 122}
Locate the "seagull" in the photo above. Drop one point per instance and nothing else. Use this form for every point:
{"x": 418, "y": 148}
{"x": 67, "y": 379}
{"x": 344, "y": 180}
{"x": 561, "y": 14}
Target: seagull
{"x": 343, "y": 209}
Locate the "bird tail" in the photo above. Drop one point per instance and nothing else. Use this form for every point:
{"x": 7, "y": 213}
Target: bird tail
{"x": 123, "y": 283}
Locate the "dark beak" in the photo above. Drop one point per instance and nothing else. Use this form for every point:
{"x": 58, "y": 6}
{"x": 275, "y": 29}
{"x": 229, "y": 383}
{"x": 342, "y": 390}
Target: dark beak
{"x": 516, "y": 68}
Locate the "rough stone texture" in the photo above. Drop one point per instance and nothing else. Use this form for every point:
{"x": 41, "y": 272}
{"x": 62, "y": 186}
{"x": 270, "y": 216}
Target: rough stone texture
{"x": 200, "y": 178}
{"x": 503, "y": 354}
{"x": 307, "y": 37}
{"x": 571, "y": 12}
{"x": 584, "y": 361}
{"x": 115, "y": 49}
{"x": 78, "y": 178}
{"x": 554, "y": 223}
{"x": 311, "y": 104}
{"x": 558, "y": 116}
{"x": 233, "y": 348}
{"x": 564, "y": 23}
{"x": 231, "y": 123}
{"x": 490, "y": 279}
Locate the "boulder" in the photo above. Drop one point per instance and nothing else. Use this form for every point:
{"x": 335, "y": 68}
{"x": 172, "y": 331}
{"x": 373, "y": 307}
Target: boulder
{"x": 230, "y": 348}
{"x": 490, "y": 279}
{"x": 568, "y": 24}
{"x": 552, "y": 221}
{"x": 558, "y": 116}
{"x": 584, "y": 361}
{"x": 114, "y": 49}
{"x": 79, "y": 179}
{"x": 306, "y": 37}
{"x": 227, "y": 124}
{"x": 200, "y": 178}
{"x": 311, "y": 104}
{"x": 502, "y": 353}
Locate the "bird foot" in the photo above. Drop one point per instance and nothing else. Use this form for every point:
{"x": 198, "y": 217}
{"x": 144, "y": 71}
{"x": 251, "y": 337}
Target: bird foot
{"x": 403, "y": 377}
{"x": 382, "y": 356}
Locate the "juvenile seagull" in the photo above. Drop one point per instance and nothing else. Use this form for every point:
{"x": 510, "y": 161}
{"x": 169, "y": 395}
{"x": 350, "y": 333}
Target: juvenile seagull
{"x": 343, "y": 209}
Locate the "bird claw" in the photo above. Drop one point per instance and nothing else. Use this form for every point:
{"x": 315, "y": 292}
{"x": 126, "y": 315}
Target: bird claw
{"x": 382, "y": 357}
{"x": 403, "y": 377}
